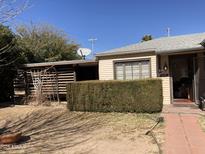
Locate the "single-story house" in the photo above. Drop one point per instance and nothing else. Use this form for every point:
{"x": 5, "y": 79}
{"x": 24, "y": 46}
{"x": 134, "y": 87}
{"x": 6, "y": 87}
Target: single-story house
{"x": 179, "y": 61}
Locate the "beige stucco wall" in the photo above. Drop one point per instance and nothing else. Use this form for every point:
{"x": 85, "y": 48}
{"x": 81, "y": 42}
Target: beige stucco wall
{"x": 166, "y": 90}
{"x": 106, "y": 71}
{"x": 166, "y": 81}
{"x": 106, "y": 68}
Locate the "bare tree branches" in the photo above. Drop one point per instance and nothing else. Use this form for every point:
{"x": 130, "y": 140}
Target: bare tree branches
{"x": 9, "y": 9}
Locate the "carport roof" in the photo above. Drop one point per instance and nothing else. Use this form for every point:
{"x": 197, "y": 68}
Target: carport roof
{"x": 163, "y": 45}
{"x": 65, "y": 62}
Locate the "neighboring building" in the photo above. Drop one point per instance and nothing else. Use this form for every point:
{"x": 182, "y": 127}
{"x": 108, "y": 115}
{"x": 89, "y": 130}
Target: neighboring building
{"x": 179, "y": 61}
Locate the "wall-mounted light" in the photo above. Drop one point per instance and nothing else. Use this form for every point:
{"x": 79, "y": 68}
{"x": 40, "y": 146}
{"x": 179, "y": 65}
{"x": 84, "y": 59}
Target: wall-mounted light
{"x": 165, "y": 67}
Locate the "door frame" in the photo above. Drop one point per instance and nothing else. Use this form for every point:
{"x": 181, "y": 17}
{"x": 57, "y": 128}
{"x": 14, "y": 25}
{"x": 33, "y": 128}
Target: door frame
{"x": 194, "y": 84}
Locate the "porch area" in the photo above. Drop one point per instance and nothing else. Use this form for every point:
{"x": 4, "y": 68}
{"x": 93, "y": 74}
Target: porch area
{"x": 183, "y": 77}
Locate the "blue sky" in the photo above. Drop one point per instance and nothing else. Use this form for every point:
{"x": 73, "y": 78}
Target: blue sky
{"x": 116, "y": 22}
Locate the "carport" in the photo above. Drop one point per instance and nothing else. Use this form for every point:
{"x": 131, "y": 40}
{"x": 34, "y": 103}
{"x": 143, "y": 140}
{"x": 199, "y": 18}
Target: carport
{"x": 62, "y": 72}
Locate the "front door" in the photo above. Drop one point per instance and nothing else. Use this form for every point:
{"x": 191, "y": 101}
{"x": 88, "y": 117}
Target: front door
{"x": 182, "y": 72}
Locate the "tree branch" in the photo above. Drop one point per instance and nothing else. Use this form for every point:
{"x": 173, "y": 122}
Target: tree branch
{"x": 9, "y": 9}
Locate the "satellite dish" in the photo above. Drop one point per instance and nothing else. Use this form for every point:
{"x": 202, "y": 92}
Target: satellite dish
{"x": 83, "y": 52}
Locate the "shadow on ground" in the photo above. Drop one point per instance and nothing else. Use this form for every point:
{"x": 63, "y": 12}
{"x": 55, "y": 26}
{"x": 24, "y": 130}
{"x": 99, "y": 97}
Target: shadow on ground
{"x": 7, "y": 104}
{"x": 51, "y": 130}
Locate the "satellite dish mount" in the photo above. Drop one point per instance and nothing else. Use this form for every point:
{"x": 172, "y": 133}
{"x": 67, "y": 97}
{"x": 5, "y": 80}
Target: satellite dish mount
{"x": 83, "y": 52}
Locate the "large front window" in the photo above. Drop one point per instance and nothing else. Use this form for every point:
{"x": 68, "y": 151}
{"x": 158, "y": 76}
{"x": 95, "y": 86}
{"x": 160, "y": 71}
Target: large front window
{"x": 132, "y": 70}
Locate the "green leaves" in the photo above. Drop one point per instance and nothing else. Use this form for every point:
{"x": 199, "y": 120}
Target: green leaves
{"x": 9, "y": 59}
{"x": 116, "y": 96}
{"x": 44, "y": 43}
{"x": 146, "y": 38}
{"x": 9, "y": 52}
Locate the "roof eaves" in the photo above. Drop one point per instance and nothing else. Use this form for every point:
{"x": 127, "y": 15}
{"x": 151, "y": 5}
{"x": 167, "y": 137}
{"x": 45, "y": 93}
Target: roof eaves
{"x": 172, "y": 51}
{"x": 45, "y": 64}
{"x": 124, "y": 52}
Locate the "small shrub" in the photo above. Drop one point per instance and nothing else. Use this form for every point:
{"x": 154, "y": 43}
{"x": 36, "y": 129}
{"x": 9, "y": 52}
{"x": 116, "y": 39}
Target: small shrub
{"x": 116, "y": 96}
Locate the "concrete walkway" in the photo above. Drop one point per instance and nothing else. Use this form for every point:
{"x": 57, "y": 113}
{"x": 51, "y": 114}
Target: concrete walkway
{"x": 183, "y": 134}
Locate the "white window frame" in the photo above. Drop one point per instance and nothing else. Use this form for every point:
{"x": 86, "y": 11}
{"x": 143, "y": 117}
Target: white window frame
{"x": 124, "y": 62}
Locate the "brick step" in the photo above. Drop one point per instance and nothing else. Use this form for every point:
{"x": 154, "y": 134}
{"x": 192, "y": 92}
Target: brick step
{"x": 192, "y": 105}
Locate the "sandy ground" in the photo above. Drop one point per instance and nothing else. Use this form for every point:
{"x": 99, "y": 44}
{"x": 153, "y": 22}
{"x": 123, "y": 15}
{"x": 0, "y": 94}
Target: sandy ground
{"x": 56, "y": 130}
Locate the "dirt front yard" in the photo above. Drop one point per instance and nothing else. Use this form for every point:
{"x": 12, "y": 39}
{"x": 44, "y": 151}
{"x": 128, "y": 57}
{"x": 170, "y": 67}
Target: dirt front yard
{"x": 56, "y": 130}
{"x": 202, "y": 122}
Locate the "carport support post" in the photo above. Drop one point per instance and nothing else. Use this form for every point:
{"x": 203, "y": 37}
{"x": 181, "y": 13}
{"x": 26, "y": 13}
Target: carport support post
{"x": 74, "y": 75}
{"x": 26, "y": 85}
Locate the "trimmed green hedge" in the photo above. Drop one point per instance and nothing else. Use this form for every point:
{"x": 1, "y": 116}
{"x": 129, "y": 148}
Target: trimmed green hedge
{"x": 116, "y": 96}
